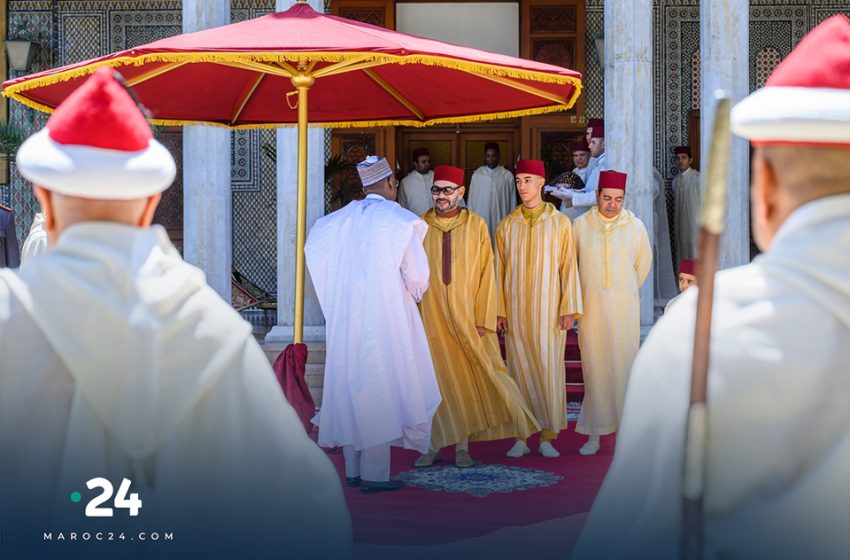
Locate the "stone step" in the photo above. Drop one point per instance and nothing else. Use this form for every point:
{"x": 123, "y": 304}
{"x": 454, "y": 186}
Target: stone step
{"x": 316, "y": 352}
{"x": 315, "y": 375}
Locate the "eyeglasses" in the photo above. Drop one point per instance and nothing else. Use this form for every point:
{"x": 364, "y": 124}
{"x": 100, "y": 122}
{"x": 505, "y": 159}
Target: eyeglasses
{"x": 443, "y": 190}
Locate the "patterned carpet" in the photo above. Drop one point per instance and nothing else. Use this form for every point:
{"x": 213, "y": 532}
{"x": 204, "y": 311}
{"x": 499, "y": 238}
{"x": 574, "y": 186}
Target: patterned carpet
{"x": 443, "y": 504}
{"x": 480, "y": 480}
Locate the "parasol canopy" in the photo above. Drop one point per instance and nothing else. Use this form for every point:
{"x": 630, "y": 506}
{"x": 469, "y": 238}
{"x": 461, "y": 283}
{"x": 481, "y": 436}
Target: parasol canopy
{"x": 239, "y": 76}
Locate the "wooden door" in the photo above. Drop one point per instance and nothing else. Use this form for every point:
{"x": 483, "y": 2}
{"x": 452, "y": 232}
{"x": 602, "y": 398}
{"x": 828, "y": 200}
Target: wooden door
{"x": 441, "y": 144}
{"x": 472, "y": 150}
{"x": 461, "y": 148}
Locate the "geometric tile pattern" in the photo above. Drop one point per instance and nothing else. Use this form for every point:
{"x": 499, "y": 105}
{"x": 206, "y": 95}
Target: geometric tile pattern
{"x": 69, "y": 31}
{"x": 594, "y": 87}
{"x": 255, "y": 222}
{"x": 767, "y": 60}
{"x": 36, "y": 22}
{"x": 677, "y": 25}
{"x": 254, "y": 184}
{"x": 81, "y": 36}
{"x": 246, "y": 170}
{"x": 768, "y": 36}
{"x": 776, "y": 27}
{"x": 695, "y": 81}
{"x": 130, "y": 27}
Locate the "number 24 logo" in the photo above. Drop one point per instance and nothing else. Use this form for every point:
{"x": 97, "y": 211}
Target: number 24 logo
{"x": 131, "y": 503}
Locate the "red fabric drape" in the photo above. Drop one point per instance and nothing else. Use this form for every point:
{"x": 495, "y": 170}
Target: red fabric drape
{"x": 289, "y": 368}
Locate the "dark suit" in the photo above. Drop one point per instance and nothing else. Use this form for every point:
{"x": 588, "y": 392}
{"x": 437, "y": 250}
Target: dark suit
{"x": 10, "y": 256}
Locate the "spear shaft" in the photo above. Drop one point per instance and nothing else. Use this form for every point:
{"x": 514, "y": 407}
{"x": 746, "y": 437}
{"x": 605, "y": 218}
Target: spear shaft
{"x": 713, "y": 217}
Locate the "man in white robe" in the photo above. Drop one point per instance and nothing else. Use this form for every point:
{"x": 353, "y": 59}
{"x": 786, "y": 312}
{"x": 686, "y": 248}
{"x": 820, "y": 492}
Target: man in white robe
{"x": 370, "y": 270}
{"x": 120, "y": 362}
{"x": 414, "y": 193}
{"x": 614, "y": 257}
{"x": 686, "y": 189}
{"x": 665, "y": 276}
{"x": 492, "y": 190}
{"x": 36, "y": 242}
{"x": 591, "y": 123}
{"x": 576, "y": 203}
{"x": 777, "y": 469}
{"x": 581, "y": 158}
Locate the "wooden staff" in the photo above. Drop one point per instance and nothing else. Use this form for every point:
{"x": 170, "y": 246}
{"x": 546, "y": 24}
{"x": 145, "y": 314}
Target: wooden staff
{"x": 713, "y": 218}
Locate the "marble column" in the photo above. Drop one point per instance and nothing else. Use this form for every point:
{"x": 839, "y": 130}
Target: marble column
{"x": 287, "y": 186}
{"x": 207, "y": 199}
{"x": 628, "y": 114}
{"x": 724, "y": 58}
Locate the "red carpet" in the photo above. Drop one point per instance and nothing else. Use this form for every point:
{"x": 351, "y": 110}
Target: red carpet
{"x": 418, "y": 516}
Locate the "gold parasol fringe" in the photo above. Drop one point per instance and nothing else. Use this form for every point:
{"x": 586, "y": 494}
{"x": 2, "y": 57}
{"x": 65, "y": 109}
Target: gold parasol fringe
{"x": 14, "y": 90}
{"x": 344, "y": 124}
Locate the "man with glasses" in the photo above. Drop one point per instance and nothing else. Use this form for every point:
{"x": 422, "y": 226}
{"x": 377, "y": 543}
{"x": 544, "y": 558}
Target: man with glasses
{"x": 539, "y": 299}
{"x": 480, "y": 400}
{"x": 369, "y": 270}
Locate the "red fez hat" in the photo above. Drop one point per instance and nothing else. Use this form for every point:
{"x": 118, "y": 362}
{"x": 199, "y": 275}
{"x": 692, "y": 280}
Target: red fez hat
{"x": 531, "y": 167}
{"x": 419, "y": 152}
{"x": 597, "y": 132}
{"x": 97, "y": 144}
{"x": 688, "y": 266}
{"x": 448, "y": 174}
{"x": 807, "y": 98}
{"x": 491, "y": 146}
{"x": 612, "y": 180}
{"x": 592, "y": 123}
{"x": 682, "y": 150}
{"x": 580, "y": 146}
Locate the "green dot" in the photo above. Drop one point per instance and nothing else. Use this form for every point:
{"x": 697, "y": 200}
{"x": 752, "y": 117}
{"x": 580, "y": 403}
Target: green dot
{"x": 76, "y": 497}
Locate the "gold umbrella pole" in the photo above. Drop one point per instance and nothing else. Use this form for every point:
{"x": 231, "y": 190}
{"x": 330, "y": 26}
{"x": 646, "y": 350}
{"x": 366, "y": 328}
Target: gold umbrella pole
{"x": 302, "y": 82}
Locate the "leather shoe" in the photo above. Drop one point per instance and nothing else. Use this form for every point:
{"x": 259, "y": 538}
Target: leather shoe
{"x": 352, "y": 481}
{"x": 427, "y": 459}
{"x": 463, "y": 460}
{"x": 369, "y": 487}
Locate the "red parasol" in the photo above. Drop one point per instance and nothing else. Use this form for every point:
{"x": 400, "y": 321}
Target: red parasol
{"x": 239, "y": 75}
